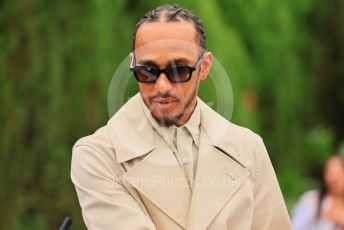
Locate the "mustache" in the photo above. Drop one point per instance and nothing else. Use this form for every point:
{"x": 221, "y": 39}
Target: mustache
{"x": 165, "y": 95}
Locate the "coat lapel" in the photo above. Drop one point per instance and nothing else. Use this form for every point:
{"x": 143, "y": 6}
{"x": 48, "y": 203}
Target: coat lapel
{"x": 158, "y": 175}
{"x": 159, "y": 178}
{"x": 220, "y": 171}
{"x": 218, "y": 177}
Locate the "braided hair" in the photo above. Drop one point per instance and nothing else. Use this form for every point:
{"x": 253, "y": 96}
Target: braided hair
{"x": 173, "y": 13}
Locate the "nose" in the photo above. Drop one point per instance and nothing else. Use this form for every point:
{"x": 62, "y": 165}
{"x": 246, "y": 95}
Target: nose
{"x": 163, "y": 85}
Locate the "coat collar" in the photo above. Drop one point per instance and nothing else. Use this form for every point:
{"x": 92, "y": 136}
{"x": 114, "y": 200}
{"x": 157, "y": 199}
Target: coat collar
{"x": 133, "y": 135}
{"x": 218, "y": 160}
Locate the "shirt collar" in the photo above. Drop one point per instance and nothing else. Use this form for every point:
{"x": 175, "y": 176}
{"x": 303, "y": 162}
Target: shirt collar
{"x": 192, "y": 125}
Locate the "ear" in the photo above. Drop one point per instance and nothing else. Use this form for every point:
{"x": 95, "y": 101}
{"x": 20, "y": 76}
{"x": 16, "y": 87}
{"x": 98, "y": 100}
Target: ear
{"x": 206, "y": 65}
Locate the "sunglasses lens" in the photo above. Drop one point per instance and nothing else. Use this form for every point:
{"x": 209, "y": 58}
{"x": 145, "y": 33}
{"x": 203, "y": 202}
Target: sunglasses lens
{"x": 179, "y": 74}
{"x": 147, "y": 74}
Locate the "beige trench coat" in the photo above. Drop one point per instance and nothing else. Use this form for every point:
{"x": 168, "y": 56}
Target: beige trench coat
{"x": 126, "y": 177}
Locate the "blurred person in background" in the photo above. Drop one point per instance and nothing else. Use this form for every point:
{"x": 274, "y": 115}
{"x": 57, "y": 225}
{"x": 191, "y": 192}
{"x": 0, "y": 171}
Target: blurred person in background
{"x": 323, "y": 209}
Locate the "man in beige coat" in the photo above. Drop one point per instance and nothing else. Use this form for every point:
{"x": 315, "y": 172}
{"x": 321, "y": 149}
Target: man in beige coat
{"x": 166, "y": 160}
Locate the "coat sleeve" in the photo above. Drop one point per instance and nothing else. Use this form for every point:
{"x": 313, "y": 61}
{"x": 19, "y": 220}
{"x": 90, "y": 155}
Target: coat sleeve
{"x": 270, "y": 211}
{"x": 105, "y": 202}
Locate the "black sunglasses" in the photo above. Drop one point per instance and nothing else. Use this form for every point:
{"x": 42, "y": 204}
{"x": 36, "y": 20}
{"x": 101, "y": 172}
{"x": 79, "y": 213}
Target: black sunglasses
{"x": 175, "y": 73}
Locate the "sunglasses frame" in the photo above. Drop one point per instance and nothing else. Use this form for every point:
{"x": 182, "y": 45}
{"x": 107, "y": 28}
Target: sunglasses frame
{"x": 138, "y": 67}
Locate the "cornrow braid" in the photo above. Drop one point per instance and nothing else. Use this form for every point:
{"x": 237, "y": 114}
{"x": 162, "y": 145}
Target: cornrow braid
{"x": 173, "y": 13}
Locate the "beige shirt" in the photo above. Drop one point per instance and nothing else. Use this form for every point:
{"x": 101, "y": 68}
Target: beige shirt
{"x": 183, "y": 141}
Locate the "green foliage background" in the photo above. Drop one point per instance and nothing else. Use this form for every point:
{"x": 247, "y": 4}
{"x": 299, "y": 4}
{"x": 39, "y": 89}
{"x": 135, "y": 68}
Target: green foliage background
{"x": 285, "y": 61}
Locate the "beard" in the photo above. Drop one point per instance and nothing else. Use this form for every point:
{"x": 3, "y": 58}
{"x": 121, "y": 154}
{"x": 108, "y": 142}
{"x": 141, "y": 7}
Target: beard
{"x": 166, "y": 120}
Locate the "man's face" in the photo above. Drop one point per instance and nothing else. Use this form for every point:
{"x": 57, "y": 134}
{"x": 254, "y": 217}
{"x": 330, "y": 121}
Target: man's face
{"x": 165, "y": 44}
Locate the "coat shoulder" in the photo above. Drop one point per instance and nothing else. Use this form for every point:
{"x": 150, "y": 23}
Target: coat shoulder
{"x": 98, "y": 141}
{"x": 246, "y": 142}
{"x": 238, "y": 142}
{"x": 102, "y": 138}
{"x": 222, "y": 131}
{"x": 243, "y": 134}
{"x": 95, "y": 153}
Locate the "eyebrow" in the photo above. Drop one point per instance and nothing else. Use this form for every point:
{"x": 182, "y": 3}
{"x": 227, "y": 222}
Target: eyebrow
{"x": 177, "y": 61}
